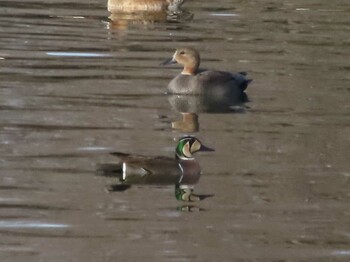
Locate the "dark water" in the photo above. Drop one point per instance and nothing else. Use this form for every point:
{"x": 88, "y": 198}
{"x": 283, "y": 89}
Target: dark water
{"x": 74, "y": 86}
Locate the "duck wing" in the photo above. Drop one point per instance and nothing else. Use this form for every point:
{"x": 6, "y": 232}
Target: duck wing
{"x": 148, "y": 165}
{"x": 136, "y": 158}
{"x": 112, "y": 169}
{"x": 217, "y": 78}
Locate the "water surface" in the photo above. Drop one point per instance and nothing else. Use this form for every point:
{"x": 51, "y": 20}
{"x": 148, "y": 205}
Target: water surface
{"x": 75, "y": 85}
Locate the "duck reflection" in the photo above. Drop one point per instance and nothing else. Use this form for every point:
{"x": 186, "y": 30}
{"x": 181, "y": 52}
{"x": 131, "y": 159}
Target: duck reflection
{"x": 188, "y": 124}
{"x": 206, "y": 104}
{"x": 183, "y": 171}
{"x": 124, "y": 12}
{"x": 189, "y": 106}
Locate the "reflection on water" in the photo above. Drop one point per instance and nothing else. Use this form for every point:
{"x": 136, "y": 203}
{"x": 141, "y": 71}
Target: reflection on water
{"x": 73, "y": 89}
{"x": 76, "y": 54}
{"x": 188, "y": 124}
{"x": 205, "y": 104}
{"x": 32, "y": 224}
{"x": 190, "y": 107}
{"x": 190, "y": 208}
{"x": 131, "y": 12}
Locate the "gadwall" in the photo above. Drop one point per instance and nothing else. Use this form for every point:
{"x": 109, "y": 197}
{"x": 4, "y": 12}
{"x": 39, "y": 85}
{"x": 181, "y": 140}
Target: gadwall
{"x": 195, "y": 81}
{"x": 183, "y": 171}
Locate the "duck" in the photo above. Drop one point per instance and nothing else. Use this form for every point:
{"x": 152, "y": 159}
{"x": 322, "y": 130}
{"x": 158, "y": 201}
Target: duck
{"x": 125, "y": 13}
{"x": 131, "y": 6}
{"x": 183, "y": 170}
{"x": 210, "y": 83}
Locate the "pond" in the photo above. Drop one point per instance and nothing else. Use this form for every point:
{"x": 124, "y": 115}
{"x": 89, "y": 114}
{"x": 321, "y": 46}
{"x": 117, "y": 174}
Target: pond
{"x": 77, "y": 84}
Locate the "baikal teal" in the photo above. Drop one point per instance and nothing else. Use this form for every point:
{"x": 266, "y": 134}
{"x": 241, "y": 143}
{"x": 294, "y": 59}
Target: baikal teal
{"x": 183, "y": 170}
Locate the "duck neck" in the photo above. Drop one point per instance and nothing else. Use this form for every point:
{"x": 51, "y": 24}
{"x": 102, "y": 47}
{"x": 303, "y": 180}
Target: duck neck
{"x": 189, "y": 70}
{"x": 191, "y": 66}
{"x": 177, "y": 157}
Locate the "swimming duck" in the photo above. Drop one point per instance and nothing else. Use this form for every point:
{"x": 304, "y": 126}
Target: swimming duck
{"x": 143, "y": 12}
{"x": 195, "y": 81}
{"x": 183, "y": 171}
{"x": 130, "y": 6}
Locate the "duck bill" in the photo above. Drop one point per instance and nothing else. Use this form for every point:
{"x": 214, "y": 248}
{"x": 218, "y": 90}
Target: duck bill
{"x": 206, "y": 149}
{"x": 168, "y": 61}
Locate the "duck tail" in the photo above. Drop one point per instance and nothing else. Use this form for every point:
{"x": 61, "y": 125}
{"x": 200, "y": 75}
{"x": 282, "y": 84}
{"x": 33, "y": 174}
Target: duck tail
{"x": 249, "y": 80}
{"x": 245, "y": 84}
{"x": 244, "y": 81}
{"x": 109, "y": 170}
{"x": 121, "y": 156}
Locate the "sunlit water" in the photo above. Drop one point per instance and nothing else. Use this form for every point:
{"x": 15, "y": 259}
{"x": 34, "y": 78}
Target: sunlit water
{"x": 74, "y": 86}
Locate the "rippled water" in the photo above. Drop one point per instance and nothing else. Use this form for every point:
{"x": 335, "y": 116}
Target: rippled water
{"x": 75, "y": 85}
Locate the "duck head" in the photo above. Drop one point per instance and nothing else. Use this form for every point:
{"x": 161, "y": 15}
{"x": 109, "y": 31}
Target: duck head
{"x": 187, "y": 146}
{"x": 188, "y": 57}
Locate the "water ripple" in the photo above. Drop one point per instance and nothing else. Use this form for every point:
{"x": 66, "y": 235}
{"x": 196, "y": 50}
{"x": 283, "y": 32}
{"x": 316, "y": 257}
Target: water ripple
{"x": 76, "y": 54}
{"x": 30, "y": 224}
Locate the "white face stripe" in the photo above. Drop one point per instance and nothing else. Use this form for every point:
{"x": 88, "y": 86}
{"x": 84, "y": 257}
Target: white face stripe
{"x": 124, "y": 171}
